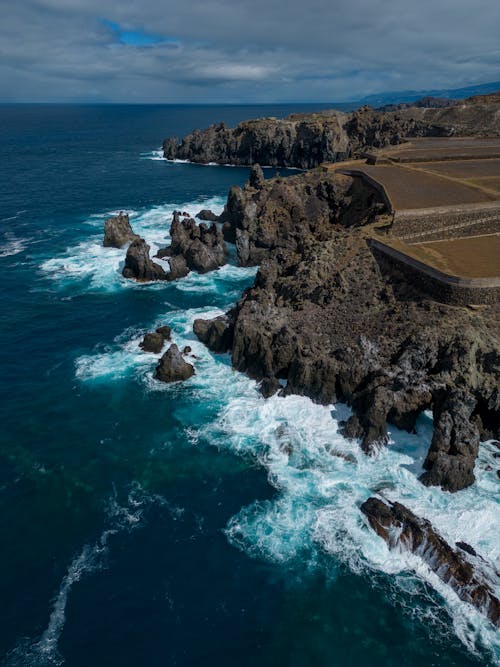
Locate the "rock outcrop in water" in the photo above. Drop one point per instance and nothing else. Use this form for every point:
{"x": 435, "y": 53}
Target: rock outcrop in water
{"x": 154, "y": 340}
{"x": 332, "y": 322}
{"x": 307, "y": 140}
{"x": 460, "y": 569}
{"x": 202, "y": 247}
{"x": 139, "y": 265}
{"x": 194, "y": 247}
{"x": 172, "y": 367}
{"x": 118, "y": 232}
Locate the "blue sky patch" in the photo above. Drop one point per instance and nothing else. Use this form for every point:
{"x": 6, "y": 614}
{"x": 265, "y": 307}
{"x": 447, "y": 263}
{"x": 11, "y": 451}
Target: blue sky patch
{"x": 136, "y": 37}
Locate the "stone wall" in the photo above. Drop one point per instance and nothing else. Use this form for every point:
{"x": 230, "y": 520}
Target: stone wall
{"x": 446, "y": 222}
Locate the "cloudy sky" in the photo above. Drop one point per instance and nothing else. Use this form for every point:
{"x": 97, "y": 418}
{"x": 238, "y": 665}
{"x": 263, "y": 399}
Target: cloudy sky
{"x": 242, "y": 50}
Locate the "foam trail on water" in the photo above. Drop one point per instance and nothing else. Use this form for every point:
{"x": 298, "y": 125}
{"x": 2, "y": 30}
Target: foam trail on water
{"x": 100, "y": 267}
{"x": 157, "y": 154}
{"x": 11, "y": 245}
{"x": 44, "y": 651}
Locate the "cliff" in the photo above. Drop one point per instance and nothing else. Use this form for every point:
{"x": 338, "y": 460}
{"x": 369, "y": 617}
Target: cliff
{"x": 330, "y": 321}
{"x": 307, "y": 140}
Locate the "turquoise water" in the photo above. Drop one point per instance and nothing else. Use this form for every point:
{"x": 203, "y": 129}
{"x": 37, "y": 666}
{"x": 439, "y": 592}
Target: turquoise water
{"x": 145, "y": 524}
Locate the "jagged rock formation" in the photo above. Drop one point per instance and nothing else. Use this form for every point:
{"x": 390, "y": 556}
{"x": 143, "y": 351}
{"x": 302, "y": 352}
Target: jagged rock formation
{"x": 461, "y": 568}
{"x": 118, "y": 232}
{"x": 194, "y": 247}
{"x": 139, "y": 265}
{"x": 201, "y": 248}
{"x": 154, "y": 341}
{"x": 307, "y": 140}
{"x": 336, "y": 324}
{"x": 172, "y": 367}
{"x": 283, "y": 212}
{"x": 217, "y": 334}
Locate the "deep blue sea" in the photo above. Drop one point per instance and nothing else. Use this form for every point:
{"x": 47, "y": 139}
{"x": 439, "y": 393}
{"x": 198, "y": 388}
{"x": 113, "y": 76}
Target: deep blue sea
{"x": 150, "y": 525}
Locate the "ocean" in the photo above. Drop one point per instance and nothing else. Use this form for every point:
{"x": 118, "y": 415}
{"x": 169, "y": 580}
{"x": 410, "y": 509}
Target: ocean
{"x": 145, "y": 524}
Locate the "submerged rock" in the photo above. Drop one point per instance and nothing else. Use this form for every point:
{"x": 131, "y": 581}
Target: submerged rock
{"x": 172, "y": 367}
{"x": 402, "y": 529}
{"x": 118, "y": 232}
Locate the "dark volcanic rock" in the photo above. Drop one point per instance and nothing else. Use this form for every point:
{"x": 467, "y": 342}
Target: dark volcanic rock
{"x": 269, "y": 387}
{"x": 165, "y": 331}
{"x": 139, "y": 265}
{"x": 337, "y": 324}
{"x": 217, "y": 334}
{"x": 118, "y": 232}
{"x": 282, "y": 213}
{"x": 400, "y": 528}
{"x": 178, "y": 267}
{"x": 455, "y": 443}
{"x": 307, "y": 140}
{"x": 152, "y": 342}
{"x": 207, "y": 215}
{"x": 194, "y": 247}
{"x": 172, "y": 367}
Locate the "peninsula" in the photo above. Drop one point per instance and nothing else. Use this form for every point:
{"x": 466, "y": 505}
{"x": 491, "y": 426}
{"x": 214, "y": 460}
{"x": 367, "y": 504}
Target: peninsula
{"x": 378, "y": 286}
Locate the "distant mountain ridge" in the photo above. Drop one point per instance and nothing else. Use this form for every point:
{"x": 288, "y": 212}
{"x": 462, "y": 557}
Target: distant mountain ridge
{"x": 402, "y": 96}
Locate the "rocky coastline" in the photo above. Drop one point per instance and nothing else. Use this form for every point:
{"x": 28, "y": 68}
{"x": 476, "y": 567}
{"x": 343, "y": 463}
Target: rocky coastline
{"x": 330, "y": 321}
{"x": 306, "y": 140}
{"x": 327, "y": 319}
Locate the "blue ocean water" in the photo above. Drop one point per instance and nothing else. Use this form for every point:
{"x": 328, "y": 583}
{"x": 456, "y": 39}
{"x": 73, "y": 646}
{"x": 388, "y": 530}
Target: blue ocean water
{"x": 145, "y": 524}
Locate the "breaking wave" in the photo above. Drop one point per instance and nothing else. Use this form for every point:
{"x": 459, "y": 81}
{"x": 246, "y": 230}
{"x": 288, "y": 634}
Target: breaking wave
{"x": 100, "y": 267}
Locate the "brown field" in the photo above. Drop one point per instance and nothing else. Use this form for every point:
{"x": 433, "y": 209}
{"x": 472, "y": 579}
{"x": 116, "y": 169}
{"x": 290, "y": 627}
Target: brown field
{"x": 411, "y": 188}
{"x": 471, "y": 257}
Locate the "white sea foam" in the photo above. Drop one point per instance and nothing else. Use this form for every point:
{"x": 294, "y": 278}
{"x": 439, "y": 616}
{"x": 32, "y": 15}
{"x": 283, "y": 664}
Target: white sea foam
{"x": 12, "y": 245}
{"x": 322, "y": 478}
{"x": 221, "y": 164}
{"x": 101, "y": 267}
{"x": 153, "y": 155}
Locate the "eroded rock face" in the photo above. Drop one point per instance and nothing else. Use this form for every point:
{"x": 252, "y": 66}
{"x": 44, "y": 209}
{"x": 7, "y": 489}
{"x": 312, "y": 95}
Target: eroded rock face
{"x": 402, "y": 529}
{"x": 282, "y": 213}
{"x": 217, "y": 334}
{"x": 327, "y": 316}
{"x": 172, "y": 367}
{"x": 118, "y": 232}
{"x": 455, "y": 443}
{"x": 198, "y": 248}
{"x": 139, "y": 265}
